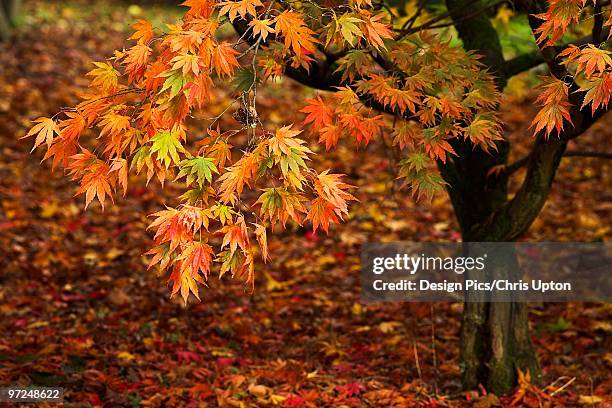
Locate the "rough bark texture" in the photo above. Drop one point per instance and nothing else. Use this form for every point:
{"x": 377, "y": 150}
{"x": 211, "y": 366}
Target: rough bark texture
{"x": 494, "y": 337}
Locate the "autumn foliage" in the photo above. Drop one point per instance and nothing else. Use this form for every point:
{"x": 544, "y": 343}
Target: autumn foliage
{"x": 140, "y": 99}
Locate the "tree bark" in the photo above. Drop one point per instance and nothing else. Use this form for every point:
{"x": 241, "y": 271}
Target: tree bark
{"x": 494, "y": 339}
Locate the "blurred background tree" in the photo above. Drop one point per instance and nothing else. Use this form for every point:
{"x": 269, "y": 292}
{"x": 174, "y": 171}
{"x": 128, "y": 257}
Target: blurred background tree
{"x": 9, "y": 10}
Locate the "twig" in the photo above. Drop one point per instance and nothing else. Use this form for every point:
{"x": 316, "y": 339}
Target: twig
{"x": 416, "y": 359}
{"x": 433, "y": 349}
{"x": 432, "y": 23}
{"x": 567, "y": 384}
{"x": 410, "y": 22}
{"x": 511, "y": 168}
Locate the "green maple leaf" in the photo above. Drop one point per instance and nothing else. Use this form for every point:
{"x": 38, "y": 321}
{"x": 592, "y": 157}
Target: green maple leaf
{"x": 167, "y": 146}
{"x": 423, "y": 181}
{"x": 223, "y": 213}
{"x": 198, "y": 169}
{"x": 244, "y": 79}
{"x": 348, "y": 29}
{"x": 294, "y": 160}
{"x": 353, "y": 63}
{"x": 175, "y": 82}
{"x": 141, "y": 158}
{"x": 270, "y": 200}
{"x": 416, "y": 161}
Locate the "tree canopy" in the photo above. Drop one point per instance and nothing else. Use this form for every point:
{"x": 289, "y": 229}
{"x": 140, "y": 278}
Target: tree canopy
{"x": 385, "y": 74}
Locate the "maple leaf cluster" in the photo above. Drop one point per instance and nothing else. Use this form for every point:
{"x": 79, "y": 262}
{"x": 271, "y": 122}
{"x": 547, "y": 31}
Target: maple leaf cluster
{"x": 442, "y": 94}
{"x": 139, "y": 99}
{"x": 138, "y": 102}
{"x": 589, "y": 67}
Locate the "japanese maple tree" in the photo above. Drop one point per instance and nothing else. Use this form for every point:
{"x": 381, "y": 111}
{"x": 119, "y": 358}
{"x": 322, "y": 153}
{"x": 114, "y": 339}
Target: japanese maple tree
{"x": 386, "y": 73}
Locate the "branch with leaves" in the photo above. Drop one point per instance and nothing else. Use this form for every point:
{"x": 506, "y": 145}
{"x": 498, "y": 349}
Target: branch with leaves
{"x": 581, "y": 77}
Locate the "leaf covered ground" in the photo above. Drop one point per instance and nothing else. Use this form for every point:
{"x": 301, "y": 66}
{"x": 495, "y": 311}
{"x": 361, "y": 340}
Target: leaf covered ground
{"x": 79, "y": 310}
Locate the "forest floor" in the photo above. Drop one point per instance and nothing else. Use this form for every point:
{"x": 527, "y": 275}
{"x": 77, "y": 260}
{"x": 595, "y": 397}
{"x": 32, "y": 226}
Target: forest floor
{"x": 79, "y": 309}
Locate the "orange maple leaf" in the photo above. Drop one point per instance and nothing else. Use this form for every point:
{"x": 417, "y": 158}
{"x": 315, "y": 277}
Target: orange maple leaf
{"x": 237, "y": 176}
{"x": 593, "y": 59}
{"x": 235, "y": 236}
{"x": 260, "y": 235}
{"x": 200, "y": 8}
{"x": 298, "y": 37}
{"x": 330, "y": 135}
{"x": 319, "y": 113}
{"x": 45, "y": 129}
{"x": 598, "y": 91}
{"x": 376, "y": 31}
{"x": 261, "y": 27}
{"x": 555, "y": 107}
{"x": 144, "y": 32}
{"x": 331, "y": 188}
{"x": 321, "y": 214}
{"x": 197, "y": 256}
{"x": 137, "y": 57}
{"x": 241, "y": 8}
{"x": 224, "y": 59}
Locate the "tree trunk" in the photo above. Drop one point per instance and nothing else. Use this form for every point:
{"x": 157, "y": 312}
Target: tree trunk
{"x": 495, "y": 343}
{"x": 495, "y": 339}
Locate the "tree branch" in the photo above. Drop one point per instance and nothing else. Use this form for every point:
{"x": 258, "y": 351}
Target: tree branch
{"x": 598, "y": 21}
{"x": 410, "y": 22}
{"x": 578, "y": 153}
{"x": 431, "y": 24}
{"x": 321, "y": 75}
{"x": 523, "y": 161}
{"x": 530, "y": 60}
{"x": 478, "y": 34}
{"x": 514, "y": 218}
{"x": 512, "y": 167}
